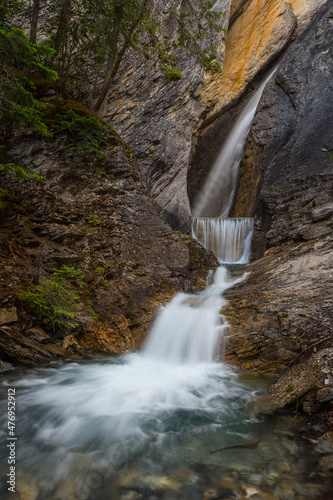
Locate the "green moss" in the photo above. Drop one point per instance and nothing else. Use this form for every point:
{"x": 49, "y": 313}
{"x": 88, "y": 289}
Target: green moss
{"x": 172, "y": 74}
{"x": 12, "y": 167}
{"x": 92, "y": 220}
{"x": 102, "y": 173}
{"x": 139, "y": 274}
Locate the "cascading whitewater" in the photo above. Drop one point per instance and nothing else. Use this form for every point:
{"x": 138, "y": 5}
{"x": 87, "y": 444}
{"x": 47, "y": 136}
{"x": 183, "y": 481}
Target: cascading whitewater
{"x": 217, "y": 194}
{"x": 229, "y": 239}
{"x": 188, "y": 329}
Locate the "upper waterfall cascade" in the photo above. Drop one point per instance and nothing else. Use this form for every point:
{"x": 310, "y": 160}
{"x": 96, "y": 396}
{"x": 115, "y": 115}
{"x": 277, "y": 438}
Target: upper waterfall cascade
{"x": 229, "y": 239}
{"x": 216, "y": 197}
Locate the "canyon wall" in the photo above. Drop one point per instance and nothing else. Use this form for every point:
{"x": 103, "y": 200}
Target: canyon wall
{"x": 158, "y": 118}
{"x": 165, "y": 122}
{"x": 282, "y": 313}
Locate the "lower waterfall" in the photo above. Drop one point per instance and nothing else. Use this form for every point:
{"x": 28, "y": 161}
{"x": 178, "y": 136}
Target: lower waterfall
{"x": 141, "y": 425}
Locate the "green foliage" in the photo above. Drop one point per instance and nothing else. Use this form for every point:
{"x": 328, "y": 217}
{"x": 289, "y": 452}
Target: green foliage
{"x": 82, "y": 134}
{"x": 172, "y": 74}
{"x": 196, "y": 33}
{"x": 93, "y": 220}
{"x": 327, "y": 151}
{"x": 8, "y": 165}
{"x": 70, "y": 274}
{"x": 8, "y": 10}
{"x": 56, "y": 298}
{"x": 19, "y": 171}
{"x": 21, "y": 60}
{"x": 93, "y": 36}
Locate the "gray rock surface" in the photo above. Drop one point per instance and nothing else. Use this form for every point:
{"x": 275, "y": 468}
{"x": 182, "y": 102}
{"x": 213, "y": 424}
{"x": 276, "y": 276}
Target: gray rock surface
{"x": 158, "y": 119}
{"x": 292, "y": 388}
{"x": 284, "y": 308}
{"x": 104, "y": 224}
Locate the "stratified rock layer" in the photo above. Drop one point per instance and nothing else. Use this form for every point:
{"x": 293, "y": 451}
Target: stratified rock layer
{"x": 259, "y": 30}
{"x": 157, "y": 119}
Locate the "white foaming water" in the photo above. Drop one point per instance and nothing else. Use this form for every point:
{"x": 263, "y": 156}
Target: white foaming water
{"x": 229, "y": 239}
{"x": 131, "y": 407}
{"x": 216, "y": 197}
{"x": 188, "y": 329}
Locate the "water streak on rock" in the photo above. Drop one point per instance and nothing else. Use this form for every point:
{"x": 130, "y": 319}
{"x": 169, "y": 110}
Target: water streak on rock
{"x": 216, "y": 197}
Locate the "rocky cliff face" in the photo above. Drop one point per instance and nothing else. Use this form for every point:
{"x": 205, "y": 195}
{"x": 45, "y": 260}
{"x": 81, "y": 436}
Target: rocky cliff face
{"x": 282, "y": 314}
{"x": 259, "y": 32}
{"x": 158, "y": 120}
{"x": 104, "y": 224}
{"x": 290, "y": 143}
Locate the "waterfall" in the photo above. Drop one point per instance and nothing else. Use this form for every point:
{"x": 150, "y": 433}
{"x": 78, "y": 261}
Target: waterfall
{"x": 188, "y": 329}
{"x": 217, "y": 195}
{"x": 229, "y": 239}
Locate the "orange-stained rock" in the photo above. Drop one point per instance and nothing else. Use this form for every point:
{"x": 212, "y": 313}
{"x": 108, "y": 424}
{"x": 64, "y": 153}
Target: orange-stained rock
{"x": 109, "y": 339}
{"x": 255, "y": 37}
{"x": 258, "y": 31}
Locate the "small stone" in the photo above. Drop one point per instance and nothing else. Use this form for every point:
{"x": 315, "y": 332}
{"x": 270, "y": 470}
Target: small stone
{"x": 230, "y": 485}
{"x": 324, "y": 395}
{"x": 285, "y": 467}
{"x": 250, "y": 492}
{"x": 135, "y": 479}
{"x": 325, "y": 443}
{"x": 326, "y": 463}
{"x": 255, "y": 479}
{"x": 8, "y": 315}
{"x": 287, "y": 495}
{"x": 27, "y": 487}
{"x": 263, "y": 496}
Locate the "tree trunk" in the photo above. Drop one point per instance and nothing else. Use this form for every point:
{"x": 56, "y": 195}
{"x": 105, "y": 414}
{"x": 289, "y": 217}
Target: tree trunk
{"x": 34, "y": 21}
{"x": 117, "y": 60}
{"x": 62, "y": 25}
